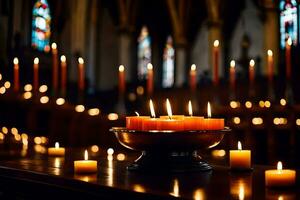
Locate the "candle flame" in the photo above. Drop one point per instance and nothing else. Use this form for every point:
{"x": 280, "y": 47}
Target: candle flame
{"x": 279, "y": 165}
{"x": 137, "y": 114}
{"x": 121, "y": 68}
{"x": 149, "y": 66}
{"x": 289, "y": 41}
{"x": 152, "y": 111}
{"x": 36, "y": 60}
{"x": 232, "y": 64}
{"x": 252, "y": 63}
{"x": 53, "y": 45}
{"x": 80, "y": 60}
{"x": 270, "y": 53}
{"x": 193, "y": 67}
{"x": 16, "y": 61}
{"x": 86, "y": 155}
{"x": 190, "y": 108}
{"x": 208, "y": 110}
{"x": 56, "y": 145}
{"x": 239, "y": 145}
{"x": 169, "y": 109}
{"x": 63, "y": 58}
{"x": 216, "y": 43}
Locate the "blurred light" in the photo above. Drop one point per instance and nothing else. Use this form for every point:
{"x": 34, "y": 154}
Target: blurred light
{"x": 282, "y": 102}
{"x": 60, "y": 101}
{"x": 175, "y": 191}
{"x": 24, "y": 136}
{"x": 112, "y": 116}
{"x": 93, "y": 111}
{"x": 138, "y": 188}
{"x": 53, "y": 45}
{"x": 37, "y": 140}
{"x": 257, "y": 121}
{"x": 110, "y": 151}
{"x": 16, "y": 61}
{"x": 44, "y": 140}
{"x": 218, "y": 153}
{"x": 2, "y": 136}
{"x": 236, "y": 120}
{"x": 0, "y": 77}
{"x": 94, "y": 148}
{"x": 25, "y": 142}
{"x": 140, "y": 90}
{"x": 7, "y": 84}
{"x": 280, "y": 121}
{"x": 80, "y": 60}
{"x": 121, "y": 157}
{"x": 27, "y": 87}
{"x": 199, "y": 194}
{"x": 4, "y": 130}
{"x": 270, "y": 52}
{"x": 110, "y": 158}
{"x": 79, "y": 108}
{"x": 43, "y": 88}
{"x": 234, "y": 104}
{"x": 17, "y": 137}
{"x": 27, "y": 95}
{"x": 267, "y": 104}
{"x": 121, "y": 68}
{"x": 297, "y": 122}
{"x": 248, "y": 104}
{"x": 2, "y": 90}
{"x": 261, "y": 104}
{"x": 216, "y": 43}
{"x": 14, "y": 130}
{"x": 63, "y": 58}
{"x": 40, "y": 149}
{"x": 132, "y": 96}
{"x": 44, "y": 99}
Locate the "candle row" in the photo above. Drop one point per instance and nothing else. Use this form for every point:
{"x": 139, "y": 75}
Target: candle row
{"x": 174, "y": 122}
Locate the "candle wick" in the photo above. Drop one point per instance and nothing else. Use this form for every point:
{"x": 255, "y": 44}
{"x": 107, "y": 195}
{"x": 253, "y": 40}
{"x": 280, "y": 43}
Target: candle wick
{"x": 170, "y": 117}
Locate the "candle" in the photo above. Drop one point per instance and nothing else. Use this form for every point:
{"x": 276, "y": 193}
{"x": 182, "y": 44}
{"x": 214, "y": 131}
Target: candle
{"x": 80, "y": 74}
{"x": 280, "y": 177}
{"x": 135, "y": 122}
{"x": 193, "y": 81}
{"x": 63, "y": 66}
{"x": 251, "y": 72}
{"x": 85, "y": 166}
{"x": 121, "y": 79}
{"x": 16, "y": 75}
{"x": 170, "y": 123}
{"x": 150, "y": 79}
{"x": 240, "y": 159}
{"x": 191, "y": 122}
{"x": 216, "y": 62}
{"x": 150, "y": 123}
{"x": 232, "y": 74}
{"x": 56, "y": 151}
{"x": 288, "y": 61}
{"x": 54, "y": 67}
{"x": 35, "y": 74}
{"x": 212, "y": 123}
{"x": 270, "y": 66}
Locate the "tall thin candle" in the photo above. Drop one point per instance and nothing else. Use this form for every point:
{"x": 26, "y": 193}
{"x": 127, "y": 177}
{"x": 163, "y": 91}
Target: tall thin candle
{"x": 80, "y": 74}
{"x": 288, "y": 61}
{"x": 63, "y": 65}
{"x": 150, "y": 79}
{"x": 216, "y": 62}
{"x": 232, "y": 74}
{"x": 121, "y": 79}
{"x": 35, "y": 74}
{"x": 251, "y": 72}
{"x": 54, "y": 67}
{"x": 16, "y": 75}
{"x": 193, "y": 76}
{"x": 270, "y": 66}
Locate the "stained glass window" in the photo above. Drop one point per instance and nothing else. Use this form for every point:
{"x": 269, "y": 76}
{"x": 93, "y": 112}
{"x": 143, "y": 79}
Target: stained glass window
{"x": 168, "y": 64}
{"x": 288, "y": 21}
{"x": 41, "y": 20}
{"x": 144, "y": 52}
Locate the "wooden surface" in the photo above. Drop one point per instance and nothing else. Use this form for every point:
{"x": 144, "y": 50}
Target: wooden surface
{"x": 30, "y": 175}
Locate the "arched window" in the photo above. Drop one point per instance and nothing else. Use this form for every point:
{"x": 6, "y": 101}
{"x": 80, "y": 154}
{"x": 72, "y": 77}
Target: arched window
{"x": 168, "y": 64}
{"x": 288, "y": 21}
{"x": 41, "y": 20}
{"x": 144, "y": 52}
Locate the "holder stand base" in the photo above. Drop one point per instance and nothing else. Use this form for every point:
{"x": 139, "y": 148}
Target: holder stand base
{"x": 169, "y": 162}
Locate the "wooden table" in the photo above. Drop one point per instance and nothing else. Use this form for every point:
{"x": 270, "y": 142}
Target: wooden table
{"x": 34, "y": 175}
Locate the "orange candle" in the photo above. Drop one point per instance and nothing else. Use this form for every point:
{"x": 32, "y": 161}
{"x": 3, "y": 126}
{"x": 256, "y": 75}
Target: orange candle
{"x": 80, "y": 74}
{"x": 35, "y": 74}
{"x": 56, "y": 151}
{"x": 270, "y": 66}
{"x": 135, "y": 122}
{"x": 150, "y": 79}
{"x": 232, "y": 74}
{"x": 121, "y": 79}
{"x": 16, "y": 75}
{"x": 288, "y": 61}
{"x": 85, "y": 166}
{"x": 216, "y": 62}
{"x": 63, "y": 67}
{"x": 280, "y": 177}
{"x": 240, "y": 159}
{"x": 150, "y": 123}
{"x": 251, "y": 72}
{"x": 54, "y": 67}
{"x": 212, "y": 123}
{"x": 191, "y": 122}
{"x": 193, "y": 77}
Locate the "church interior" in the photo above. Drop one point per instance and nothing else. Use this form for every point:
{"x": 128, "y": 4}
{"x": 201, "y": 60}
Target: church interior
{"x": 150, "y": 99}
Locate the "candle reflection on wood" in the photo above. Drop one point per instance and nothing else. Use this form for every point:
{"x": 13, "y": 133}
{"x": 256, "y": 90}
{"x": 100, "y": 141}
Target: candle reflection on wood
{"x": 241, "y": 186}
{"x": 16, "y": 75}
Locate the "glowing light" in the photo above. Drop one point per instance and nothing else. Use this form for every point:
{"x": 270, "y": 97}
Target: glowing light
{"x": 79, "y": 108}
{"x": 16, "y": 61}
{"x": 236, "y": 120}
{"x": 14, "y": 130}
{"x": 280, "y": 121}
{"x": 86, "y": 155}
{"x": 44, "y": 140}
{"x": 17, "y": 137}
{"x": 152, "y": 111}
{"x": 7, "y": 84}
{"x": 110, "y": 151}
{"x": 279, "y": 165}
{"x": 218, "y": 153}
{"x": 216, "y": 43}
{"x": 121, "y": 157}
{"x": 232, "y": 64}
{"x": 56, "y": 145}
{"x": 2, "y": 136}
{"x": 131, "y": 96}
{"x": 248, "y": 104}
{"x": 257, "y": 121}
{"x": 208, "y": 110}
{"x": 140, "y": 90}
{"x": 233, "y": 104}
{"x": 24, "y": 136}
{"x": 190, "y": 108}
{"x": 175, "y": 191}
{"x": 169, "y": 109}
{"x": 93, "y": 111}
{"x": 121, "y": 68}
{"x": 241, "y": 192}
{"x": 40, "y": 149}
{"x": 297, "y": 123}
{"x": 4, "y": 130}
{"x": 54, "y": 45}
{"x": 63, "y": 58}
{"x": 138, "y": 188}
{"x": 2, "y": 90}
{"x": 193, "y": 67}
{"x": 239, "y": 146}
{"x": 261, "y": 104}
{"x": 149, "y": 66}
{"x": 80, "y": 60}
{"x": 28, "y": 87}
{"x": 94, "y": 148}
{"x": 270, "y": 53}
{"x": 43, "y": 88}
{"x": 267, "y": 104}
{"x": 44, "y": 99}
{"x": 113, "y": 116}
{"x": 0, "y": 77}
{"x": 199, "y": 194}
{"x": 27, "y": 95}
{"x": 289, "y": 41}
{"x": 37, "y": 140}
{"x": 60, "y": 101}
{"x": 36, "y": 60}
{"x": 282, "y": 102}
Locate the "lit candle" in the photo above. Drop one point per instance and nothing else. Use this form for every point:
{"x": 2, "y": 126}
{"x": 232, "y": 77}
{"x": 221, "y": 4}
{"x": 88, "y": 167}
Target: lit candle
{"x": 240, "y": 159}
{"x": 251, "y": 72}
{"x": 232, "y": 74}
{"x": 16, "y": 75}
{"x": 193, "y": 78}
{"x": 86, "y": 165}
{"x": 135, "y": 122}
{"x": 63, "y": 65}
{"x": 212, "y": 123}
{"x": 56, "y": 151}
{"x": 80, "y": 74}
{"x": 216, "y": 62}
{"x": 35, "y": 74}
{"x": 270, "y": 66}
{"x": 121, "y": 79}
{"x": 288, "y": 61}
{"x": 280, "y": 177}
{"x": 150, "y": 79}
{"x": 150, "y": 123}
{"x": 191, "y": 122}
{"x": 54, "y": 66}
